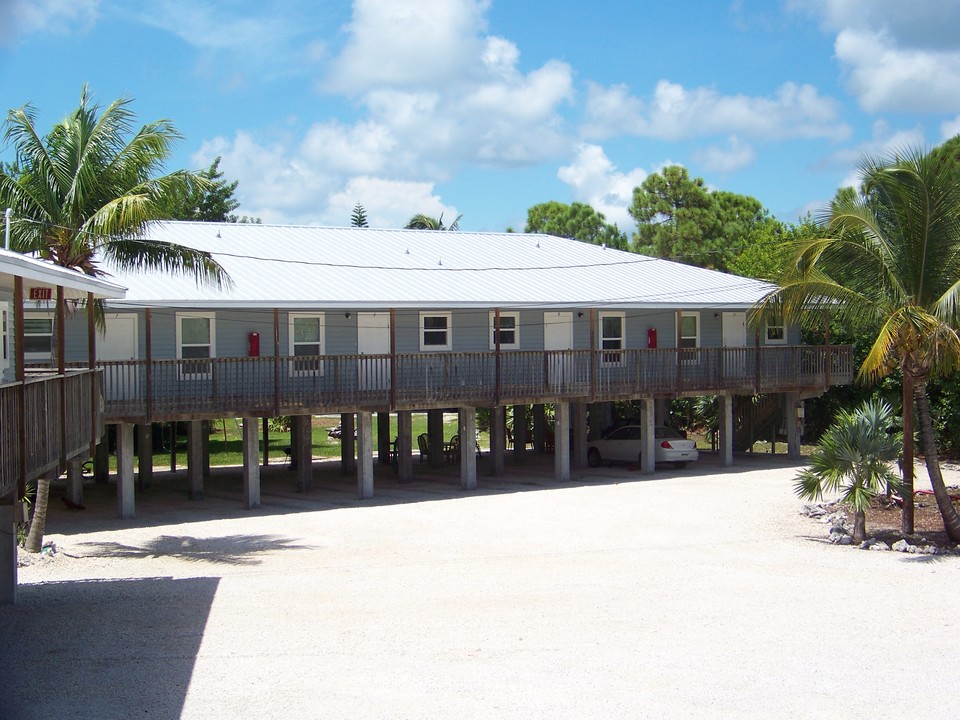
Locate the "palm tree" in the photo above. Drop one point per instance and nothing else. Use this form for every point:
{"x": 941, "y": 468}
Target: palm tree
{"x": 889, "y": 261}
{"x": 83, "y": 193}
{"x": 425, "y": 222}
{"x": 854, "y": 456}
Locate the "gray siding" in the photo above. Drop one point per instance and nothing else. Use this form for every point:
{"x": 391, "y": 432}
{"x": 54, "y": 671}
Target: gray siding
{"x": 470, "y": 330}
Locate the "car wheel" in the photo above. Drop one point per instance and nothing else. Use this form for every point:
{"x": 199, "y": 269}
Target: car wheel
{"x": 593, "y": 457}
{"x": 679, "y": 465}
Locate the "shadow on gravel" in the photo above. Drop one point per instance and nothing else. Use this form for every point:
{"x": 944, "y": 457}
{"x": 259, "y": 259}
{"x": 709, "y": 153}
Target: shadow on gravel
{"x": 226, "y": 550}
{"x": 102, "y": 649}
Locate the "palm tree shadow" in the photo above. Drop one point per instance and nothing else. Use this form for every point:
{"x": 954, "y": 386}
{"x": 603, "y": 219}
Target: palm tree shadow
{"x": 225, "y": 550}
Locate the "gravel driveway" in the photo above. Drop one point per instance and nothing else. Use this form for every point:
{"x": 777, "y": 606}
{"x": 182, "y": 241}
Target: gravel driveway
{"x": 699, "y": 593}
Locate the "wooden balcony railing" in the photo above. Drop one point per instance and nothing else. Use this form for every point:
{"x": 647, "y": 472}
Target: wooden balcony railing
{"x": 45, "y": 421}
{"x": 269, "y": 386}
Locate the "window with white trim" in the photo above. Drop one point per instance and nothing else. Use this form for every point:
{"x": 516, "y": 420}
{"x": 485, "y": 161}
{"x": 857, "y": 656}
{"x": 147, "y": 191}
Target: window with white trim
{"x": 688, "y": 335}
{"x": 306, "y": 336}
{"x": 435, "y": 331}
{"x": 196, "y": 339}
{"x": 37, "y": 337}
{"x": 509, "y": 331}
{"x": 776, "y": 335}
{"x": 612, "y": 337}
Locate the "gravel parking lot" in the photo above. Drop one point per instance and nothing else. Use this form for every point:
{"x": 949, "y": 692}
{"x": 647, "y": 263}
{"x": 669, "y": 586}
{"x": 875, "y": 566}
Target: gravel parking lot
{"x": 699, "y": 593}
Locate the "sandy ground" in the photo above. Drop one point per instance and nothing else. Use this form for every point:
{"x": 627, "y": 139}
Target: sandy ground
{"x": 699, "y": 593}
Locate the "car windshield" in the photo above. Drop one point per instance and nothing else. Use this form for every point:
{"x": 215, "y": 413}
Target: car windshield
{"x": 667, "y": 432}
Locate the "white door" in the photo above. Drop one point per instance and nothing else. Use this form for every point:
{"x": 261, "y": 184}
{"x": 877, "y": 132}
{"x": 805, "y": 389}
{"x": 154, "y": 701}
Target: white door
{"x": 118, "y": 341}
{"x": 373, "y": 338}
{"x": 734, "y": 336}
{"x": 558, "y": 335}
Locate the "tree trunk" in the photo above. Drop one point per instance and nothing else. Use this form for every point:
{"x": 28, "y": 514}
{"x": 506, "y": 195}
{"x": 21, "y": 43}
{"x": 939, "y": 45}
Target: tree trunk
{"x": 859, "y": 526}
{"x": 951, "y": 520}
{"x": 906, "y": 465}
{"x": 38, "y": 525}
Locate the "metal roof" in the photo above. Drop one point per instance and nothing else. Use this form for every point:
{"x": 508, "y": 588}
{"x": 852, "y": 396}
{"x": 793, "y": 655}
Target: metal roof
{"x": 317, "y": 267}
{"x": 41, "y": 273}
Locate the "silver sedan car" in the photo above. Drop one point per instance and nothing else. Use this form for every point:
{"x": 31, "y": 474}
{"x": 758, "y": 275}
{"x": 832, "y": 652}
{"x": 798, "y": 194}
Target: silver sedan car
{"x": 624, "y": 444}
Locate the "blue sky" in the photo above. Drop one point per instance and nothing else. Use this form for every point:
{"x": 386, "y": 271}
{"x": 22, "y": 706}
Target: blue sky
{"x": 486, "y": 107}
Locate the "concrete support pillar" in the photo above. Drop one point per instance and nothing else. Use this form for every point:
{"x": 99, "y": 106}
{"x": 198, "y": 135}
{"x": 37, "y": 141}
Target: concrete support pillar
{"x": 304, "y": 452}
{"x": 251, "y": 463}
{"x": 794, "y": 424}
{"x": 467, "y": 427}
{"x": 8, "y": 554}
{"x": 726, "y": 430}
{"x": 519, "y": 432}
{"x": 435, "y": 437}
{"x": 348, "y": 453}
{"x": 539, "y": 428}
{"x": 648, "y": 424}
{"x": 405, "y": 446}
{"x": 383, "y": 438}
{"x": 578, "y": 412}
{"x": 364, "y": 455}
{"x": 101, "y": 460}
{"x": 498, "y": 440}
{"x": 561, "y": 441}
{"x": 145, "y": 455}
{"x": 75, "y": 480}
{"x": 195, "y": 459}
{"x": 126, "y": 507}
{"x": 205, "y": 446}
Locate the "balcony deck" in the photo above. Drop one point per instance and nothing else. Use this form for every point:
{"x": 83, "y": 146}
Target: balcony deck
{"x": 45, "y": 421}
{"x": 160, "y": 390}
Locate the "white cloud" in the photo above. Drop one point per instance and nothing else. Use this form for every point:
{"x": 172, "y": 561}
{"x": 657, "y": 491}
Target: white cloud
{"x": 388, "y": 203}
{"x": 675, "y": 112}
{"x": 25, "y": 17}
{"x": 734, "y": 156}
{"x": 886, "y": 77}
{"x": 404, "y": 44}
{"x": 949, "y": 128}
{"x": 897, "y": 56}
{"x": 285, "y": 184}
{"x": 593, "y": 179}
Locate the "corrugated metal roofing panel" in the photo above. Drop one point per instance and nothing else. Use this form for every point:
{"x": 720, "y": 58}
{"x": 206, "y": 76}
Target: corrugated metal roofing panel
{"x": 288, "y": 266}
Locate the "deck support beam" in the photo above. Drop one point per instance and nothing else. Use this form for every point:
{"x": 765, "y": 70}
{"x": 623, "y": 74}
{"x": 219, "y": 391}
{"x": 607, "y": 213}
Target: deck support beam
{"x": 348, "y": 457}
{"x": 195, "y": 458}
{"x": 498, "y": 440}
{"x": 75, "y": 480}
{"x": 303, "y": 452}
{"x": 405, "y": 445}
{"x": 467, "y": 428}
{"x": 578, "y": 412}
{"x": 561, "y": 442}
{"x": 726, "y": 430}
{"x": 101, "y": 460}
{"x": 145, "y": 455}
{"x": 648, "y": 424}
{"x": 251, "y": 464}
{"x": 126, "y": 507}
{"x": 365, "y": 455}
